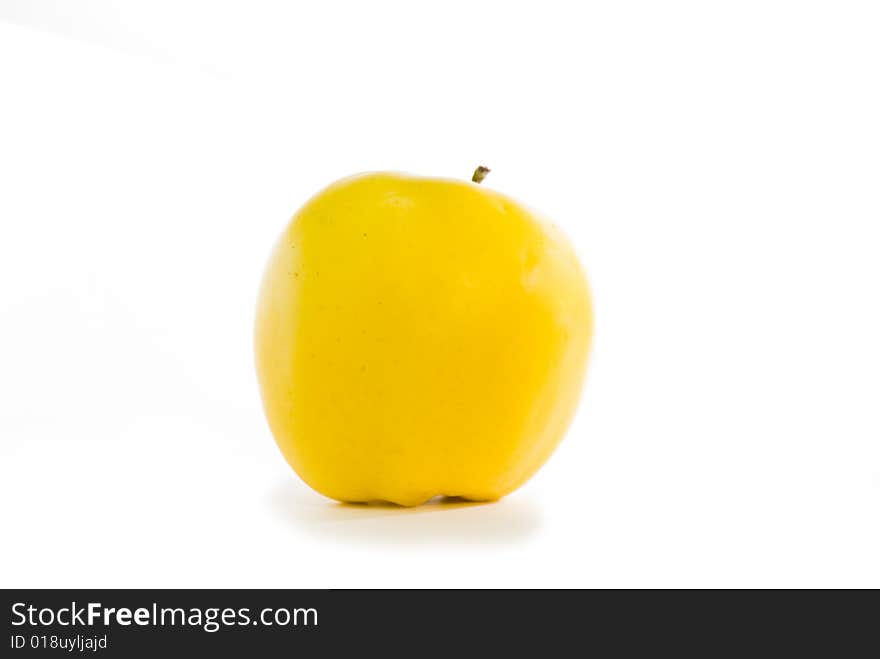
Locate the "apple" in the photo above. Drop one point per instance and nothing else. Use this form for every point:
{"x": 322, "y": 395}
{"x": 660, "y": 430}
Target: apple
{"x": 418, "y": 337}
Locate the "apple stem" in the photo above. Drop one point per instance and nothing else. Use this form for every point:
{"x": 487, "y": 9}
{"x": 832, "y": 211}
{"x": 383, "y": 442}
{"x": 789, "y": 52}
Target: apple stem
{"x": 480, "y": 173}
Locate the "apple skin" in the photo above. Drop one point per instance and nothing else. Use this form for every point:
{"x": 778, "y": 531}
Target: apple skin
{"x": 418, "y": 337}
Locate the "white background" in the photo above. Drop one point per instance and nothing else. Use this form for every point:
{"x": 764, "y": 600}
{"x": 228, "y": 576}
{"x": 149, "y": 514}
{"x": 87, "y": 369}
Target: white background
{"x": 716, "y": 164}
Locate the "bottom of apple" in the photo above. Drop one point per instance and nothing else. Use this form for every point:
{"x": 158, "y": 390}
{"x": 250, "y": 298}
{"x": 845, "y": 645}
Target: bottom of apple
{"x": 419, "y": 500}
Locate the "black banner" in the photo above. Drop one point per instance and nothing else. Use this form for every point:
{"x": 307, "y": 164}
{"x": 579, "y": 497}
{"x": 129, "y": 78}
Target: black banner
{"x": 150, "y": 623}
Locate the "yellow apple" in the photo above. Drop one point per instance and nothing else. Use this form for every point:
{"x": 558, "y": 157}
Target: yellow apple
{"x": 418, "y": 337}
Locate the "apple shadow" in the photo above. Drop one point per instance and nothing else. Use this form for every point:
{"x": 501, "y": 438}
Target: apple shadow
{"x": 441, "y": 521}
